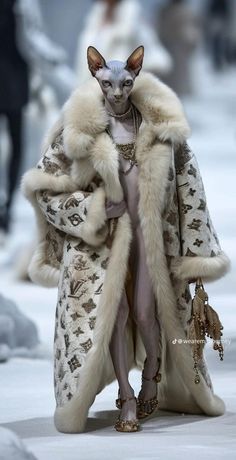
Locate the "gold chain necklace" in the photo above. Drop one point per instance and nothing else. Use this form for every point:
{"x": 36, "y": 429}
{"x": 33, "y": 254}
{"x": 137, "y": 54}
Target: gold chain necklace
{"x": 121, "y": 115}
{"x": 128, "y": 150}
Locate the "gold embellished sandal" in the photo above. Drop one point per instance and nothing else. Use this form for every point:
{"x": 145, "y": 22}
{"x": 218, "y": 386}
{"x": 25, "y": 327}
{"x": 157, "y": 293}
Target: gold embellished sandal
{"x": 118, "y": 401}
{"x": 146, "y": 408}
{"x": 126, "y": 426}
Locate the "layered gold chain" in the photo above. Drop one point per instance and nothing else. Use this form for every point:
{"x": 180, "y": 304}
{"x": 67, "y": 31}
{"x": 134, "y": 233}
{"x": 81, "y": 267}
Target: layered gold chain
{"x": 128, "y": 150}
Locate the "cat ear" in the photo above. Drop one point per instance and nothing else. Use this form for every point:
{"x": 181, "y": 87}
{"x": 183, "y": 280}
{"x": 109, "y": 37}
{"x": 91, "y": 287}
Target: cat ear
{"x": 135, "y": 60}
{"x": 95, "y": 60}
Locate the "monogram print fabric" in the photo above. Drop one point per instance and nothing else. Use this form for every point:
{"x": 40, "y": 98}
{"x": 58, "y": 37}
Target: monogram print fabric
{"x": 198, "y": 236}
{"x": 82, "y": 271}
{"x": 80, "y": 288}
{"x": 65, "y": 211}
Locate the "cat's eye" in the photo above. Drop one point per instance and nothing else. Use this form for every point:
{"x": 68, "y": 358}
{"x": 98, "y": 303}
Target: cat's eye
{"x": 106, "y": 83}
{"x": 128, "y": 82}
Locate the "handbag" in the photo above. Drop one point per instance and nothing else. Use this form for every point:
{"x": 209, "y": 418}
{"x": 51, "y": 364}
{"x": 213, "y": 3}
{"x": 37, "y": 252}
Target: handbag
{"x": 204, "y": 322}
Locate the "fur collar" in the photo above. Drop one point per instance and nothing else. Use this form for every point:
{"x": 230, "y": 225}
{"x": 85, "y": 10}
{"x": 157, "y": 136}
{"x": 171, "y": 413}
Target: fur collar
{"x": 85, "y": 116}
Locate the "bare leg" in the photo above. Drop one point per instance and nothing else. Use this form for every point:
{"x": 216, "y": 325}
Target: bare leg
{"x": 118, "y": 350}
{"x": 144, "y": 310}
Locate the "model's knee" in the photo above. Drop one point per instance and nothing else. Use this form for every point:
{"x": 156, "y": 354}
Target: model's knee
{"x": 143, "y": 318}
{"x": 119, "y": 326}
{"x": 121, "y": 318}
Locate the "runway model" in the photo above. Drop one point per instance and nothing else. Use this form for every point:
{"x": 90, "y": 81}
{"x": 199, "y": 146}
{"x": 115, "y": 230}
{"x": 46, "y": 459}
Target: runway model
{"x": 123, "y": 229}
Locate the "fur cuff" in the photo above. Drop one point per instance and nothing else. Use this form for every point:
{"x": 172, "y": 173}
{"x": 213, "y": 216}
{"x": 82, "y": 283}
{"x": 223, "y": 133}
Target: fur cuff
{"x": 95, "y": 229}
{"x": 40, "y": 272}
{"x": 36, "y": 179}
{"x": 208, "y": 268}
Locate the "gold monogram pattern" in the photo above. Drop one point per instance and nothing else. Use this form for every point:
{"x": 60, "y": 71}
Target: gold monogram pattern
{"x": 81, "y": 282}
{"x": 82, "y": 272}
{"x": 187, "y": 228}
{"x": 196, "y": 227}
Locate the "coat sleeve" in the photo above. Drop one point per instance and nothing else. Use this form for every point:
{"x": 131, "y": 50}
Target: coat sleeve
{"x": 59, "y": 201}
{"x": 75, "y": 213}
{"x": 201, "y": 253}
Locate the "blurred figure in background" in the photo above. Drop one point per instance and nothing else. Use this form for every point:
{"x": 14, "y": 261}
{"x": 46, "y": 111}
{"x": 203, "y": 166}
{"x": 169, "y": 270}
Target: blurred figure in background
{"x": 23, "y": 47}
{"x": 232, "y": 33}
{"x": 117, "y": 27}
{"x": 179, "y": 31}
{"x": 14, "y": 94}
{"x": 218, "y": 21}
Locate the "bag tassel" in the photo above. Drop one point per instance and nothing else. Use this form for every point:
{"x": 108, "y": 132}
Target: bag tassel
{"x": 204, "y": 321}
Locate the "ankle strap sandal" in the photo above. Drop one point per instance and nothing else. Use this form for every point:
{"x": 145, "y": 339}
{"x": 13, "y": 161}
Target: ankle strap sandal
{"x": 126, "y": 426}
{"x": 157, "y": 376}
{"x": 119, "y": 401}
{"x": 147, "y": 407}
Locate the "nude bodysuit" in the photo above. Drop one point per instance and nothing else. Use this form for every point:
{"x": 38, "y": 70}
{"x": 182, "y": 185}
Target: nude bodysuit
{"x": 143, "y": 291}
{"x": 142, "y": 304}
{"x": 143, "y": 295}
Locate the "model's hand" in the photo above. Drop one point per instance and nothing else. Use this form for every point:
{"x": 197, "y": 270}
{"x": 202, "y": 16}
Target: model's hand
{"x": 115, "y": 209}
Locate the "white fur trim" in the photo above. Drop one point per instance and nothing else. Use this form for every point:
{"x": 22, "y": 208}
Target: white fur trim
{"x": 40, "y": 272}
{"x": 152, "y": 193}
{"x": 71, "y": 417}
{"x": 82, "y": 172}
{"x": 36, "y": 179}
{"x": 106, "y": 162}
{"x": 208, "y": 268}
{"x": 85, "y": 116}
{"x": 96, "y": 220}
{"x": 160, "y": 106}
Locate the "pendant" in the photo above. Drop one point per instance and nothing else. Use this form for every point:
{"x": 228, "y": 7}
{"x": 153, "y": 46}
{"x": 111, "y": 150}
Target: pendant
{"x": 129, "y": 169}
{"x": 132, "y": 163}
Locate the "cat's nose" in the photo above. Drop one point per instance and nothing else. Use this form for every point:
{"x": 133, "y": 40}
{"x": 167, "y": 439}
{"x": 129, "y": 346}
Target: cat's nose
{"x": 118, "y": 96}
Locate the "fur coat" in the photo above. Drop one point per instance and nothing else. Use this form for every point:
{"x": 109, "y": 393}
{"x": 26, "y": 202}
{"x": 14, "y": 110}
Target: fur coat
{"x": 86, "y": 255}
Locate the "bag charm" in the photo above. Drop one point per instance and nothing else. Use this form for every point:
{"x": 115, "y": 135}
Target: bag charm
{"x": 204, "y": 322}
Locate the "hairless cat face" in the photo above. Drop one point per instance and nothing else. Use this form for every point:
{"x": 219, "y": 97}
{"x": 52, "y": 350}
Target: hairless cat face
{"x": 115, "y": 78}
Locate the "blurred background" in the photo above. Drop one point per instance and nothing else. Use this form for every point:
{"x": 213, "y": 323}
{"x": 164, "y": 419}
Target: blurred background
{"x": 191, "y": 46}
